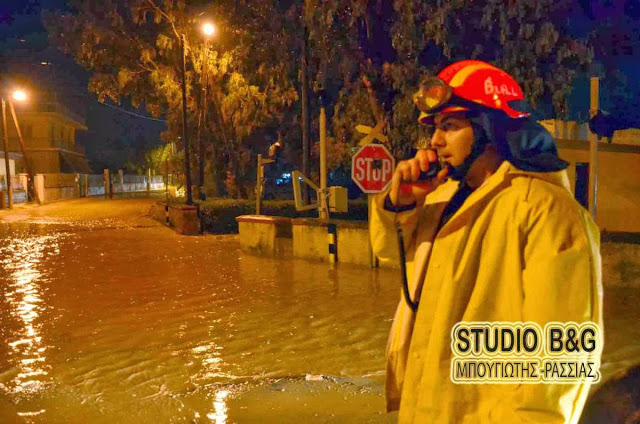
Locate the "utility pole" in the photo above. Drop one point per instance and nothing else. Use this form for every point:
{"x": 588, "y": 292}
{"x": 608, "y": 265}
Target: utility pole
{"x": 208, "y": 30}
{"x": 201, "y": 194}
{"x": 306, "y": 129}
{"x": 593, "y": 148}
{"x": 323, "y": 210}
{"x": 185, "y": 137}
{"x": 6, "y": 154}
{"x": 30, "y": 188}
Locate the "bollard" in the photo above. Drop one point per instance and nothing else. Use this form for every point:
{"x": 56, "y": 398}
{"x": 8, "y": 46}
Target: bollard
{"x": 107, "y": 181}
{"x": 333, "y": 245}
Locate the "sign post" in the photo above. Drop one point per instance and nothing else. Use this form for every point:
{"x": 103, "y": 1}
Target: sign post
{"x": 371, "y": 169}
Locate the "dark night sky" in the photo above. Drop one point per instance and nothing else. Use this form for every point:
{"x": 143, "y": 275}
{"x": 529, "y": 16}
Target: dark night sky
{"x": 115, "y": 137}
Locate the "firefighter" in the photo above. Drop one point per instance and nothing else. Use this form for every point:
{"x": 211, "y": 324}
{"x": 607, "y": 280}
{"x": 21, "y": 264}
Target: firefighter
{"x": 496, "y": 236}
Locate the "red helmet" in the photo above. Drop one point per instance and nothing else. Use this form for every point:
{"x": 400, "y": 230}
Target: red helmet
{"x": 465, "y": 84}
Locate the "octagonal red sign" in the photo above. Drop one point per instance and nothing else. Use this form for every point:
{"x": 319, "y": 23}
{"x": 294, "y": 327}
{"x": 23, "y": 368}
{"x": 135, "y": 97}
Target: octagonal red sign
{"x": 372, "y": 168}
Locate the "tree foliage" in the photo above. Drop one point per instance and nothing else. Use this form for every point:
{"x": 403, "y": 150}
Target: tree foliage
{"x": 367, "y": 55}
{"x": 134, "y": 50}
{"x": 389, "y": 46}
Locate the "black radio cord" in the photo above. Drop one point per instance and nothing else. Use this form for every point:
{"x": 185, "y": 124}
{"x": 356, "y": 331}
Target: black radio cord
{"x": 403, "y": 269}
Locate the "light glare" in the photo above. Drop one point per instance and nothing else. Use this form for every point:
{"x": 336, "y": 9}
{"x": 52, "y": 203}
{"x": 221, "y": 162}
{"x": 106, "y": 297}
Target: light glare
{"x": 209, "y": 29}
{"x": 19, "y": 95}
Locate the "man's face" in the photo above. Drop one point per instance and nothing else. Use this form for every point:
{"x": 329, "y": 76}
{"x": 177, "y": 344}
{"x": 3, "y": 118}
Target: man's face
{"x": 452, "y": 138}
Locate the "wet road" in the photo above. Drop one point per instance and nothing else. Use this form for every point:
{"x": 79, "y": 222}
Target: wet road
{"x": 115, "y": 319}
{"x": 108, "y": 317}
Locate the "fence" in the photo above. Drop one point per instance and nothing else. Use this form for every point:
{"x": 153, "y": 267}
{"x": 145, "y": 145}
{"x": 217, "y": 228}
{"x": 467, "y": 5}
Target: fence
{"x": 18, "y": 184}
{"x": 130, "y": 184}
{"x": 50, "y": 187}
{"x": 94, "y": 185}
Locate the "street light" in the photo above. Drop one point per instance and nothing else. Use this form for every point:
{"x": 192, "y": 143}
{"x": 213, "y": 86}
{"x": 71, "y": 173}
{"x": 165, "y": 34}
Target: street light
{"x": 208, "y": 29}
{"x": 19, "y": 96}
{"x": 185, "y": 135}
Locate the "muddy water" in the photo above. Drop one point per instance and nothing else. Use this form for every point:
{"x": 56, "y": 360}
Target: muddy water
{"x": 141, "y": 325}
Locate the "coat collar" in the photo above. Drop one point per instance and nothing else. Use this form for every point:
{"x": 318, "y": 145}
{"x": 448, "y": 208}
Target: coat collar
{"x": 505, "y": 173}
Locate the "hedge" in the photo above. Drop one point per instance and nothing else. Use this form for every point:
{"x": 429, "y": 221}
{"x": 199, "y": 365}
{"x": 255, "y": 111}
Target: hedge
{"x": 218, "y": 215}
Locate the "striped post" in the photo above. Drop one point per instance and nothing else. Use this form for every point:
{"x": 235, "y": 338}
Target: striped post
{"x": 333, "y": 244}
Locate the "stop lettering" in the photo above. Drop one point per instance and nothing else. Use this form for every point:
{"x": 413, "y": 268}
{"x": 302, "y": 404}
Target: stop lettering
{"x": 372, "y": 168}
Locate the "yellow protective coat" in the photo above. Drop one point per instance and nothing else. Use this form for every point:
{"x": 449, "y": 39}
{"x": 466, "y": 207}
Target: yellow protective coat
{"x": 519, "y": 249}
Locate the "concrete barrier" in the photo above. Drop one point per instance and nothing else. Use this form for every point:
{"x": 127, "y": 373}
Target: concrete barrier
{"x": 184, "y": 218}
{"x": 307, "y": 238}
{"x": 267, "y": 235}
{"x": 311, "y": 240}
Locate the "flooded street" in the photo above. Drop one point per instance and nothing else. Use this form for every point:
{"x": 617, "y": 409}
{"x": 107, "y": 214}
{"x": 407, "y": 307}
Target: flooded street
{"x": 134, "y": 323}
{"x": 108, "y": 317}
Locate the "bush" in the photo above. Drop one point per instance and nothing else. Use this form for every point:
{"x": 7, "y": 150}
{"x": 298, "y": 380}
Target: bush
{"x": 218, "y": 215}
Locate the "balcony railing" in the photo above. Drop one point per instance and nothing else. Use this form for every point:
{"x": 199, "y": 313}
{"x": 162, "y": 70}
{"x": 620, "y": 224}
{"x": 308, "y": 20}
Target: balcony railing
{"x": 44, "y": 142}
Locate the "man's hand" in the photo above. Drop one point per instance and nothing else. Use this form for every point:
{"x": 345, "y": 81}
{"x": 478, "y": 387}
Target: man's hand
{"x": 404, "y": 188}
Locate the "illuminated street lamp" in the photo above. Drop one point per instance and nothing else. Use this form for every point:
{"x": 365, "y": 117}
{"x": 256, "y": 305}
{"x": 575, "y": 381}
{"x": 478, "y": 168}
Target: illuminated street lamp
{"x": 19, "y": 96}
{"x": 185, "y": 135}
{"x": 209, "y": 30}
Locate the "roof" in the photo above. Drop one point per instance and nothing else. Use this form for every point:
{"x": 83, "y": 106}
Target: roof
{"x": 73, "y": 163}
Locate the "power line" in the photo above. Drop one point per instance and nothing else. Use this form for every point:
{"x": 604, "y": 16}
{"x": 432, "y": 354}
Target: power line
{"x": 131, "y": 113}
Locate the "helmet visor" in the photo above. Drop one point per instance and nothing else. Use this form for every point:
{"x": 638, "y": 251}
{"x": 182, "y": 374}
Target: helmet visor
{"x": 432, "y": 95}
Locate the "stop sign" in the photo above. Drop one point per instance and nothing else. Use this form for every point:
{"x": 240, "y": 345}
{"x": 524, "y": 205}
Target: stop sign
{"x": 372, "y": 168}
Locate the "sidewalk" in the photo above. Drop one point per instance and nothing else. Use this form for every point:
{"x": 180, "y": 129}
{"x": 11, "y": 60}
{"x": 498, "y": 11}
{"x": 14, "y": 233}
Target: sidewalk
{"x": 126, "y": 212}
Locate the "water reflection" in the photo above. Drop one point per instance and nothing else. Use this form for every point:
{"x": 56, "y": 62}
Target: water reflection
{"x": 23, "y": 296}
{"x": 219, "y": 414}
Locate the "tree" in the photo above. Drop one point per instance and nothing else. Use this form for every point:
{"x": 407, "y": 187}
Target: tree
{"x": 133, "y": 49}
{"x": 368, "y": 55}
{"x": 382, "y": 49}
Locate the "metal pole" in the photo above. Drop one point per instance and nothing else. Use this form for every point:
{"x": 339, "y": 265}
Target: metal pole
{"x": 166, "y": 180}
{"x": 305, "y": 121}
{"x": 185, "y": 137}
{"x": 259, "y": 185}
{"x": 593, "y": 150}
{"x": 201, "y": 194}
{"x": 323, "y": 164}
{"x": 6, "y": 154}
{"x": 29, "y": 189}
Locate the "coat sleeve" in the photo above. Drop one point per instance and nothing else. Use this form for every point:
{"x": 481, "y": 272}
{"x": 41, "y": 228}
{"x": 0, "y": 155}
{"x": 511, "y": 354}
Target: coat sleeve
{"x": 561, "y": 281}
{"x": 384, "y": 239}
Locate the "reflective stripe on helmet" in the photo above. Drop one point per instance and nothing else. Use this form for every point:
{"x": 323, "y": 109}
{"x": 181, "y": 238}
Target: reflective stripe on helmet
{"x": 460, "y": 76}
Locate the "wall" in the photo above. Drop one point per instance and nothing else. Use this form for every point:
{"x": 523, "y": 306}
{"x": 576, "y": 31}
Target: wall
{"x": 42, "y": 130}
{"x": 272, "y": 236}
{"x": 45, "y": 162}
{"x": 12, "y": 166}
{"x": 618, "y": 197}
